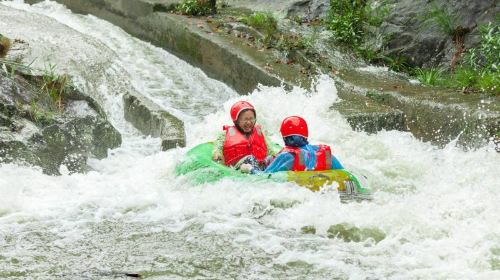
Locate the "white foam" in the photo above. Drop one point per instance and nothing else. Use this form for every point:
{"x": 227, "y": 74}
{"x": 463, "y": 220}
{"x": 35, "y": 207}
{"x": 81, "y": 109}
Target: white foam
{"x": 437, "y": 207}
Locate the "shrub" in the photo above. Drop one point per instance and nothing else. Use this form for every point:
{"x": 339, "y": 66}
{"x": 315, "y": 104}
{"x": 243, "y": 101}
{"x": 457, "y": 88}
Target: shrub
{"x": 489, "y": 81}
{"x": 264, "y": 22}
{"x": 196, "y": 7}
{"x": 483, "y": 62}
{"x": 345, "y": 19}
{"x": 54, "y": 86}
{"x": 397, "y": 63}
{"x": 429, "y": 76}
{"x": 487, "y": 55}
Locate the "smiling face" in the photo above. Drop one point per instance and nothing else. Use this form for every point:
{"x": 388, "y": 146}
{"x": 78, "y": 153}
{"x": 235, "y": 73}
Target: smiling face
{"x": 246, "y": 121}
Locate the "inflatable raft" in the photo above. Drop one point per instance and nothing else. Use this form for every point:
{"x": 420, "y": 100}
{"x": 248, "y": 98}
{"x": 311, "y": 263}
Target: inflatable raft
{"x": 200, "y": 168}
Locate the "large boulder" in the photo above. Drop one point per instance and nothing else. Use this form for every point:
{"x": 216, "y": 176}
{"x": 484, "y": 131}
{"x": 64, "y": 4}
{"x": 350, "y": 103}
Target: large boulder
{"x": 425, "y": 41}
{"x": 304, "y": 8}
{"x": 32, "y": 132}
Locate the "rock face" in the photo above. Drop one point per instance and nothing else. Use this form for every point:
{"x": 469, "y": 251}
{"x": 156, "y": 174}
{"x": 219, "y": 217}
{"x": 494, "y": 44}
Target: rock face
{"x": 425, "y": 42}
{"x": 33, "y": 133}
{"x": 405, "y": 31}
{"x": 304, "y": 8}
{"x": 150, "y": 119}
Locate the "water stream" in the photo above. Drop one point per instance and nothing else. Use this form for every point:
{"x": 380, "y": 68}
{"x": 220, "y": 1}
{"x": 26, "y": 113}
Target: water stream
{"x": 437, "y": 208}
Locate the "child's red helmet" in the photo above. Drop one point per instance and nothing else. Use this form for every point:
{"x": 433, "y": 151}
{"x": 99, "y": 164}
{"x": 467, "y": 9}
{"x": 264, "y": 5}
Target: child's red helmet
{"x": 238, "y": 107}
{"x": 294, "y": 125}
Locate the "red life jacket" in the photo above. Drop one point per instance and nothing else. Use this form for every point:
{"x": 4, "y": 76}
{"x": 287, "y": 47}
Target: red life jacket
{"x": 236, "y": 145}
{"x": 323, "y": 158}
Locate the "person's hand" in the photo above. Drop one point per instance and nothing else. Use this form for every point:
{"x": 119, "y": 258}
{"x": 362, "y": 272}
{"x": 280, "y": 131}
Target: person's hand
{"x": 268, "y": 160}
{"x": 246, "y": 168}
{"x": 217, "y": 156}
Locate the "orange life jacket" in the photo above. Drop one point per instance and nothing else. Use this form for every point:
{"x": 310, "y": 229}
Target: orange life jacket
{"x": 236, "y": 145}
{"x": 323, "y": 158}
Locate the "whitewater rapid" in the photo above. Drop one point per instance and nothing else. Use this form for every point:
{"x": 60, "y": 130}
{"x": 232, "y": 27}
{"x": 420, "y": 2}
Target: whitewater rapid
{"x": 438, "y": 208}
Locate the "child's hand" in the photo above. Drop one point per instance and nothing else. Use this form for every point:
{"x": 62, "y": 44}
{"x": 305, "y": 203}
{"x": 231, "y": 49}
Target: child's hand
{"x": 246, "y": 168}
{"x": 217, "y": 156}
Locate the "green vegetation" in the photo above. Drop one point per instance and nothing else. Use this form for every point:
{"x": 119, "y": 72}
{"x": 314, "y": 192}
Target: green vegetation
{"x": 49, "y": 87}
{"x": 352, "y": 22}
{"x": 346, "y": 19}
{"x": 478, "y": 70}
{"x": 261, "y": 21}
{"x": 54, "y": 86}
{"x": 444, "y": 20}
{"x": 396, "y": 63}
{"x": 272, "y": 37}
{"x": 264, "y": 22}
{"x": 197, "y": 7}
{"x": 38, "y": 115}
{"x": 432, "y": 76}
{"x": 350, "y": 19}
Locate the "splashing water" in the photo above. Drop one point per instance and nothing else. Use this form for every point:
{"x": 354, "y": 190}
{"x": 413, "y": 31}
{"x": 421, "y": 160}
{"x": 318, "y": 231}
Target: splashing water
{"x": 437, "y": 208}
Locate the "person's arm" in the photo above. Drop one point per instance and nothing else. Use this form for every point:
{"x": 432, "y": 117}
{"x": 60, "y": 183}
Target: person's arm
{"x": 282, "y": 162}
{"x": 336, "y": 163}
{"x": 217, "y": 153}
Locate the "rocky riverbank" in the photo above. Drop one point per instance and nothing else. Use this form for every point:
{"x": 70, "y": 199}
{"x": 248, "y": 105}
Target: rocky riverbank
{"x": 46, "y": 122}
{"x": 228, "y": 49}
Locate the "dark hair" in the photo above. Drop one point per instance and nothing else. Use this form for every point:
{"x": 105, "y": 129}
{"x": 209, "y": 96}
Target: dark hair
{"x": 295, "y": 141}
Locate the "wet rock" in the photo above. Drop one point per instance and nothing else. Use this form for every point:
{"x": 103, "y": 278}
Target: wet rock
{"x": 308, "y": 229}
{"x": 283, "y": 203}
{"x": 32, "y": 132}
{"x": 426, "y": 43}
{"x": 352, "y": 233}
{"x": 150, "y": 119}
{"x": 310, "y": 9}
{"x": 366, "y": 115}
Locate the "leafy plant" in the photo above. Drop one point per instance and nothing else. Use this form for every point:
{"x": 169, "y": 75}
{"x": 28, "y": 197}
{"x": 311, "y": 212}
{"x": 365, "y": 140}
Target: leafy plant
{"x": 264, "y": 22}
{"x": 397, "y": 63}
{"x": 482, "y": 63}
{"x": 429, "y": 76}
{"x": 487, "y": 55}
{"x": 196, "y": 7}
{"x": 54, "y": 85}
{"x": 345, "y": 19}
{"x": 463, "y": 77}
{"x": 489, "y": 81}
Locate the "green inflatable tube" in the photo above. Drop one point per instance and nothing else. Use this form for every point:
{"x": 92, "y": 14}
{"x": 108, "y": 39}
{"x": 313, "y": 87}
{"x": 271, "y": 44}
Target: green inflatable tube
{"x": 199, "y": 168}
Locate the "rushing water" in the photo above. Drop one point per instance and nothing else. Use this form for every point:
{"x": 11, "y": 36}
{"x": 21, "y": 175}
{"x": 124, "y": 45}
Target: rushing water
{"x": 437, "y": 208}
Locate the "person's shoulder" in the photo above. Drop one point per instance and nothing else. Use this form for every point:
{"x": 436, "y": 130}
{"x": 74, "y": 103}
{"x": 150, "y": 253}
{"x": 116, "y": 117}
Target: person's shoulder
{"x": 310, "y": 147}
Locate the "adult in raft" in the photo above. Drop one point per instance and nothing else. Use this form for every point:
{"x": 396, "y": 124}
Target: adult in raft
{"x": 298, "y": 154}
{"x": 244, "y": 142}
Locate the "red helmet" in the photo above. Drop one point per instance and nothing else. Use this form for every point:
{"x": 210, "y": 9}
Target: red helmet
{"x": 238, "y": 107}
{"x": 294, "y": 125}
